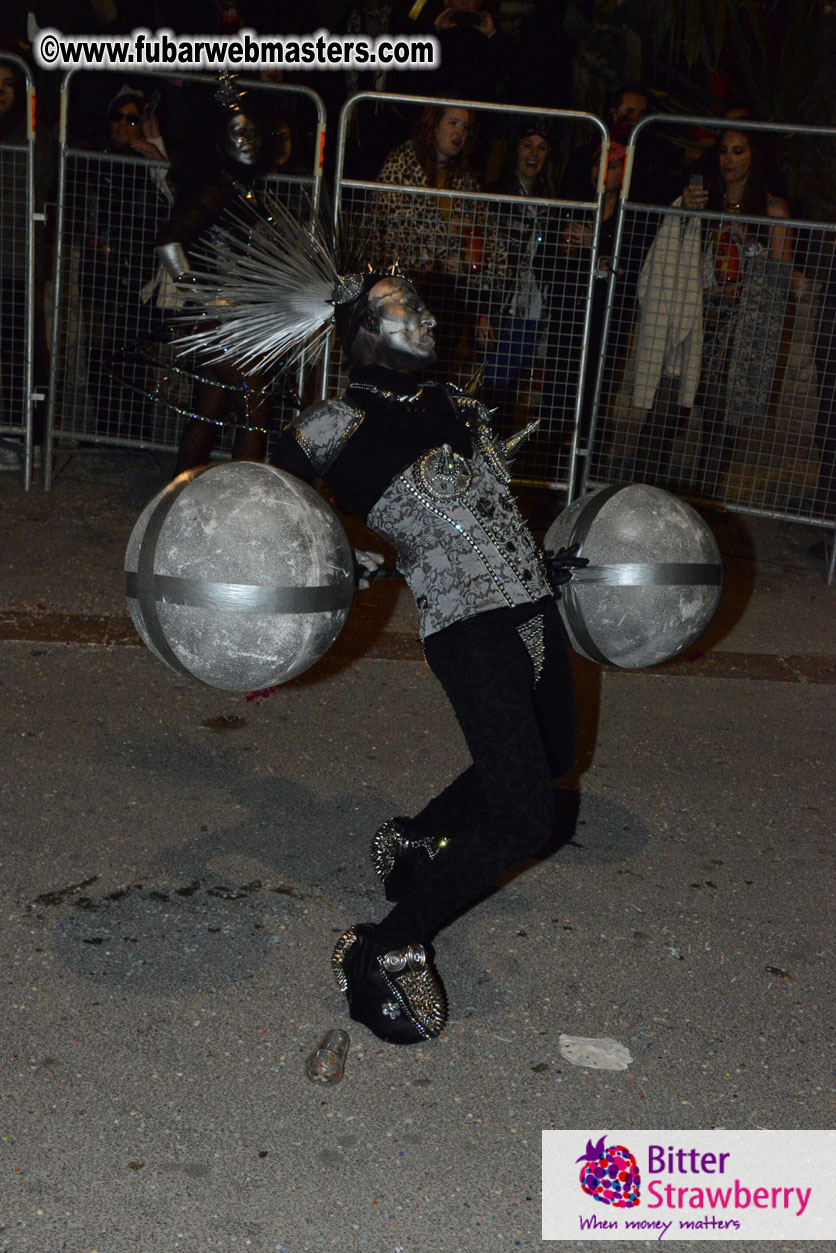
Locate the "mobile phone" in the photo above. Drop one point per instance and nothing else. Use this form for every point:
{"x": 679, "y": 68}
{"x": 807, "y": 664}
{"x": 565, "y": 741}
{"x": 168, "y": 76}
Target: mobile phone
{"x": 696, "y": 180}
{"x": 152, "y": 105}
{"x": 465, "y": 18}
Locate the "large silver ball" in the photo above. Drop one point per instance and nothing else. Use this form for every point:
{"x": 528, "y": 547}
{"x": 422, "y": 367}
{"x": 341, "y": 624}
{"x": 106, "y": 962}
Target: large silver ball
{"x": 239, "y": 575}
{"x": 653, "y": 580}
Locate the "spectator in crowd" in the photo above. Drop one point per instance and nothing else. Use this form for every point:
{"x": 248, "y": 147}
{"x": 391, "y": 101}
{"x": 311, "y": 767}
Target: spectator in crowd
{"x": 282, "y": 145}
{"x": 824, "y": 503}
{"x": 571, "y": 298}
{"x": 530, "y": 236}
{"x": 14, "y": 226}
{"x": 118, "y": 204}
{"x": 477, "y": 56}
{"x": 89, "y": 91}
{"x": 651, "y": 180}
{"x": 133, "y": 128}
{"x": 705, "y": 165}
{"x": 629, "y": 107}
{"x": 377, "y": 128}
{"x": 747, "y": 272}
{"x": 449, "y": 246}
{"x": 542, "y": 66}
{"x": 12, "y": 104}
{"x": 374, "y": 19}
{"x": 729, "y": 327}
{"x": 288, "y": 121}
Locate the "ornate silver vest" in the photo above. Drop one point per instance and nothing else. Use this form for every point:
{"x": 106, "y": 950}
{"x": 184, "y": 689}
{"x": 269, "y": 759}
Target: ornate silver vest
{"x": 462, "y": 545}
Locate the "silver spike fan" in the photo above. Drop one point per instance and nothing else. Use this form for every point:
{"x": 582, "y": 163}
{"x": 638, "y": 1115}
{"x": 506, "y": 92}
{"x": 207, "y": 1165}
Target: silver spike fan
{"x": 266, "y": 285}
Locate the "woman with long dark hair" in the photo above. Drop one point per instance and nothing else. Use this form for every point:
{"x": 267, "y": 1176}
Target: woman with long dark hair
{"x": 746, "y": 271}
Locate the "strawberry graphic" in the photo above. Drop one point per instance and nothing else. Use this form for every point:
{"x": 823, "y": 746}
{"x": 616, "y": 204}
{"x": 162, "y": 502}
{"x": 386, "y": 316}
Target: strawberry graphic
{"x": 610, "y": 1174}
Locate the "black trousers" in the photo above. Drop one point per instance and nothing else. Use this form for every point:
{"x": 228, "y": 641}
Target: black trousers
{"x": 521, "y": 737}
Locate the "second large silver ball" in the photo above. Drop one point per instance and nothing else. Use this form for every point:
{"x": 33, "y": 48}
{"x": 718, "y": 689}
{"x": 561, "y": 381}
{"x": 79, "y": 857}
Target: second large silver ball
{"x": 653, "y": 579}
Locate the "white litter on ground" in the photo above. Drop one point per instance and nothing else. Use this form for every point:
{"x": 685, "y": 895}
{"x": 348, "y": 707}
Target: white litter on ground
{"x": 602, "y": 1054}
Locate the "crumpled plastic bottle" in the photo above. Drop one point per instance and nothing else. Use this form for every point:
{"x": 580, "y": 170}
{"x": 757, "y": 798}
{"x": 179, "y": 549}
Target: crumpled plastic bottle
{"x": 326, "y": 1064}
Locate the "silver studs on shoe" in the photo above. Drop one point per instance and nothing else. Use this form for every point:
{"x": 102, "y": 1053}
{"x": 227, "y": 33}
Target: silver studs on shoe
{"x": 396, "y": 855}
{"x": 413, "y": 956}
{"x": 395, "y": 992}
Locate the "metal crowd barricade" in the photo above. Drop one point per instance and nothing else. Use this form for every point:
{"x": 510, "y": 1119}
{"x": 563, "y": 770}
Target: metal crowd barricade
{"x": 110, "y": 293}
{"x": 718, "y": 374}
{"x": 17, "y": 277}
{"x": 511, "y": 291}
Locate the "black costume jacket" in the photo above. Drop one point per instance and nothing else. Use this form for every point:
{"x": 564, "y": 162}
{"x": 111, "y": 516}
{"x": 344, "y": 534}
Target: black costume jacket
{"x": 421, "y": 465}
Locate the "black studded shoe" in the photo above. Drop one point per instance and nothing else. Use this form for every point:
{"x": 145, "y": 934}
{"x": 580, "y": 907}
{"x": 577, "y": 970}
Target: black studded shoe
{"x": 395, "y": 993}
{"x": 396, "y": 856}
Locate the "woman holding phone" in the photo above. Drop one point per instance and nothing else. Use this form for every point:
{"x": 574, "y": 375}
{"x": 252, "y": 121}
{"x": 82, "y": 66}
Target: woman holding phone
{"x": 476, "y": 54}
{"x": 746, "y": 276}
{"x": 746, "y": 271}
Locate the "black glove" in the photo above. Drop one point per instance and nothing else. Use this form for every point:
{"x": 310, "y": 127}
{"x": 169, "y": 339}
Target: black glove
{"x": 562, "y": 565}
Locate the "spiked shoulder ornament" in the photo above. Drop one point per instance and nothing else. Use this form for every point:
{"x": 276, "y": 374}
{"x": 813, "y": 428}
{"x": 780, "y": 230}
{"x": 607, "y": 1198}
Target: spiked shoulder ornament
{"x": 267, "y": 287}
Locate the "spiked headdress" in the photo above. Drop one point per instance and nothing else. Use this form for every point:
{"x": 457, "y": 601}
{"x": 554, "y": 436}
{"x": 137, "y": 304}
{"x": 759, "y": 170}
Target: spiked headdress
{"x": 270, "y": 289}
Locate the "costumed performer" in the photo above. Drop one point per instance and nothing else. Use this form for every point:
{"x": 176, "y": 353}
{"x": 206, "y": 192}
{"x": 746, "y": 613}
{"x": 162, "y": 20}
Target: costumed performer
{"x": 417, "y": 460}
{"x": 222, "y": 163}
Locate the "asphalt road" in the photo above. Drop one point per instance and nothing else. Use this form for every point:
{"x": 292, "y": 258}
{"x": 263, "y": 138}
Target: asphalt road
{"x": 178, "y": 861}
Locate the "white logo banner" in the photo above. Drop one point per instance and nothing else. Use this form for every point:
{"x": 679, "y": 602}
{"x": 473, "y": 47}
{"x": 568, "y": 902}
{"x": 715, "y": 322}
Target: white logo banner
{"x": 689, "y": 1185}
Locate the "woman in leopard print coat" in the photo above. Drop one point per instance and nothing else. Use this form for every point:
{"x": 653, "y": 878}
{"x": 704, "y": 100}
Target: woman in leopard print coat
{"x": 450, "y": 246}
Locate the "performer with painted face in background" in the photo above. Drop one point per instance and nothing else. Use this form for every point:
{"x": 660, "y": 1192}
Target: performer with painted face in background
{"x": 224, "y": 155}
{"x": 418, "y": 461}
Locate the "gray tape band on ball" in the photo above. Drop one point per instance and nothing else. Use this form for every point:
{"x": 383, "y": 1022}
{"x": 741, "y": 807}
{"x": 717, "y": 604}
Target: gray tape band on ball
{"x": 577, "y": 622}
{"x": 651, "y": 574}
{"x": 569, "y": 594}
{"x": 589, "y": 512}
{"x": 622, "y": 574}
{"x": 245, "y": 597}
{"x": 145, "y": 570}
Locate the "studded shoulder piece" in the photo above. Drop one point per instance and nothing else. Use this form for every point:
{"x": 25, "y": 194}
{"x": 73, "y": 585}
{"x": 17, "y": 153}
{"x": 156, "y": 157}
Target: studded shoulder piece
{"x": 323, "y": 430}
{"x": 478, "y": 419}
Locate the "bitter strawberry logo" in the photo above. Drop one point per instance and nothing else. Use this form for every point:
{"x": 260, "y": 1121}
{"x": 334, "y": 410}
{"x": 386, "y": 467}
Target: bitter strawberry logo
{"x": 610, "y": 1174}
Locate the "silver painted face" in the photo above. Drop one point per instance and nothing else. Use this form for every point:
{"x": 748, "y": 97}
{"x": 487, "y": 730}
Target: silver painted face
{"x": 242, "y": 142}
{"x": 406, "y": 328}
